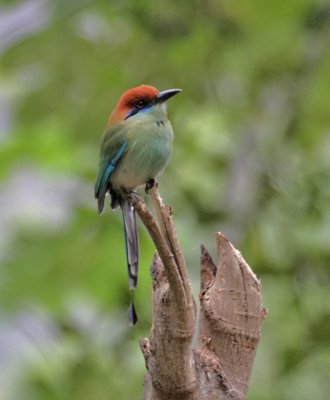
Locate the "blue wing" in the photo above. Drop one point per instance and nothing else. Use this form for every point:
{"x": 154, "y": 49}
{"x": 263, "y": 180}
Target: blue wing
{"x": 107, "y": 167}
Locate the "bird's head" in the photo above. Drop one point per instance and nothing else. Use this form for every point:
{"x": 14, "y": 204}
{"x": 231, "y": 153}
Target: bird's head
{"x": 139, "y": 99}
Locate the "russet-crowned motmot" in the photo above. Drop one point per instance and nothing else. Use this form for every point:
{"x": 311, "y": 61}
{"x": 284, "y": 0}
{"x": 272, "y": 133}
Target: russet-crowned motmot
{"x": 135, "y": 149}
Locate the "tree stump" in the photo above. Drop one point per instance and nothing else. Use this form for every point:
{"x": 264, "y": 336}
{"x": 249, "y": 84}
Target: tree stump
{"x": 230, "y": 320}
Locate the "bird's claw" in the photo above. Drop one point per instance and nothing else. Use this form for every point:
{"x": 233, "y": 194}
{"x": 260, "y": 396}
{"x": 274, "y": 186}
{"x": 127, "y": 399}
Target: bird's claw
{"x": 134, "y": 196}
{"x": 150, "y": 184}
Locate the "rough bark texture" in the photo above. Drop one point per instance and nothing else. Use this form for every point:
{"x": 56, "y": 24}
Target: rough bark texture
{"x": 230, "y": 321}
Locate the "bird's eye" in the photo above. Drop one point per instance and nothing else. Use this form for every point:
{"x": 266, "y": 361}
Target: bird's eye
{"x": 141, "y": 103}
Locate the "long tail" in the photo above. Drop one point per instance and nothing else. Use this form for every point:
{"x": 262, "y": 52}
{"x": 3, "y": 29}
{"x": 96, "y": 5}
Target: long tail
{"x": 132, "y": 251}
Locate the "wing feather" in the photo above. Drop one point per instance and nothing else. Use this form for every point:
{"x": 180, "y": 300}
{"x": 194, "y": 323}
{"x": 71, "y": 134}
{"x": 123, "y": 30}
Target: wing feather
{"x": 113, "y": 148}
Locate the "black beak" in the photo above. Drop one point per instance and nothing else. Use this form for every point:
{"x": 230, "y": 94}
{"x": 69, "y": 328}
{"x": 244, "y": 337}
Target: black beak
{"x": 166, "y": 94}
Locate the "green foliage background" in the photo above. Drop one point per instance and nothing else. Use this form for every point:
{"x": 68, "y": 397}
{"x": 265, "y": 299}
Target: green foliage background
{"x": 252, "y": 159}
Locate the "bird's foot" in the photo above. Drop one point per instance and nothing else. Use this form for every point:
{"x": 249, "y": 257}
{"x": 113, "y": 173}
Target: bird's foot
{"x": 134, "y": 196}
{"x": 150, "y": 184}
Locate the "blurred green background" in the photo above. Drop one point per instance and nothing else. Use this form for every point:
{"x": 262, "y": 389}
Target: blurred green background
{"x": 251, "y": 159}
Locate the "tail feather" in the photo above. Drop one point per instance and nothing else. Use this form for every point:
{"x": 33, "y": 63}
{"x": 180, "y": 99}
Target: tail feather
{"x": 132, "y": 252}
{"x": 132, "y": 242}
{"x": 132, "y": 317}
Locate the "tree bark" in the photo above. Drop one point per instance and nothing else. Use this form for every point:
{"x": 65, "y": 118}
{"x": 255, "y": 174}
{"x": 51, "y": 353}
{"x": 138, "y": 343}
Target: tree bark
{"x": 230, "y": 320}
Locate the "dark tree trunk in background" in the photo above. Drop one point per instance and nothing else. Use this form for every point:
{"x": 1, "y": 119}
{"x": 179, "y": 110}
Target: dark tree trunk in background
{"x": 230, "y": 321}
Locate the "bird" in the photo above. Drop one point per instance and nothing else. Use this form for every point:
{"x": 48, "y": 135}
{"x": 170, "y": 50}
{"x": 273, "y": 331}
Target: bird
{"x": 135, "y": 149}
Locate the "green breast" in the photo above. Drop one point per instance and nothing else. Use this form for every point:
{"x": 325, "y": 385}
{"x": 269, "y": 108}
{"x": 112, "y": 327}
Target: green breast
{"x": 150, "y": 138}
{"x": 150, "y": 146}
